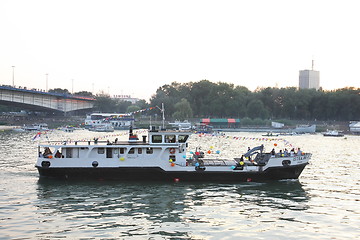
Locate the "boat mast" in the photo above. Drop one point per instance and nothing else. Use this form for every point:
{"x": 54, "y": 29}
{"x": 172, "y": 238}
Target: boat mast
{"x": 163, "y": 114}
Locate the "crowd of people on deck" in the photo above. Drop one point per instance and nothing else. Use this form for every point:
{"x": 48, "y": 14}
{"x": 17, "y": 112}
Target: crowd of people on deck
{"x": 286, "y": 153}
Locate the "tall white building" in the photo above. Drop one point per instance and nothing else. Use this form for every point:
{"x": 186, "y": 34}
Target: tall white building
{"x": 309, "y": 78}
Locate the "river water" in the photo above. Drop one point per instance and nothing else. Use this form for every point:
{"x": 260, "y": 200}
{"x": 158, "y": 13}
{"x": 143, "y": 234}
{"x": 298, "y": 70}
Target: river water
{"x": 322, "y": 204}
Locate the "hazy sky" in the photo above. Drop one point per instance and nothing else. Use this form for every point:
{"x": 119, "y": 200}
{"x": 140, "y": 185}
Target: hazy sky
{"x": 134, "y": 47}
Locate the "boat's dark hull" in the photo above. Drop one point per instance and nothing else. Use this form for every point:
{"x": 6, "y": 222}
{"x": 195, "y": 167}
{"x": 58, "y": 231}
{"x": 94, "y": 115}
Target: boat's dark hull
{"x": 157, "y": 174}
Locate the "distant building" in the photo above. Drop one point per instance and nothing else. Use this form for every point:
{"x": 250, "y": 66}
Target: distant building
{"x": 126, "y": 98}
{"x": 309, "y": 78}
{"x": 354, "y": 127}
{"x": 277, "y": 125}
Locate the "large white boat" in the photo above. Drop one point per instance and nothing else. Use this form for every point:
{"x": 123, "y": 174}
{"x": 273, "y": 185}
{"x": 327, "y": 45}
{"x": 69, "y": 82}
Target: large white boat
{"x": 161, "y": 155}
{"x": 117, "y": 120}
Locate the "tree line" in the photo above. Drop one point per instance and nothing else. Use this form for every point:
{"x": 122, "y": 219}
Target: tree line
{"x": 224, "y": 100}
{"x": 205, "y": 99}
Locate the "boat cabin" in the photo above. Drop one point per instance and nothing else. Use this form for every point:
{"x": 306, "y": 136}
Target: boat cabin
{"x": 161, "y": 147}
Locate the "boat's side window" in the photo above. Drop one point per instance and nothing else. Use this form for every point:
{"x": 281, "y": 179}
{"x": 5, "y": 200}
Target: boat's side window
{"x": 69, "y": 153}
{"x": 122, "y": 150}
{"x": 183, "y": 138}
{"x": 139, "y": 150}
{"x": 172, "y": 158}
{"x": 101, "y": 150}
{"x": 116, "y": 150}
{"x": 132, "y": 151}
{"x": 157, "y": 138}
{"x": 149, "y": 150}
{"x": 109, "y": 152}
{"x": 170, "y": 138}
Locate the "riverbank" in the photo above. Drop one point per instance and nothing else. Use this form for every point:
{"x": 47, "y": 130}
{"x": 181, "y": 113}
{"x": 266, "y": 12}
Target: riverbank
{"x": 6, "y": 128}
{"x": 8, "y": 122}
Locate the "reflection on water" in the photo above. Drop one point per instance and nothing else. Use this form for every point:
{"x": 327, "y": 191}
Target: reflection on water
{"x": 143, "y": 208}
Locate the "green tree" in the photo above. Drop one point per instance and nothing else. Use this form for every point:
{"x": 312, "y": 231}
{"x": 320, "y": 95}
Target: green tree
{"x": 183, "y": 110}
{"x": 59, "y": 90}
{"x": 256, "y": 109}
{"x": 104, "y": 104}
{"x": 84, "y": 94}
{"x": 132, "y": 108}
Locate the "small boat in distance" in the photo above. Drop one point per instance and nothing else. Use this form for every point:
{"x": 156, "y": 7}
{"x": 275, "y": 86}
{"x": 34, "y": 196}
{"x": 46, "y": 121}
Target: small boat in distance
{"x": 33, "y": 127}
{"x": 185, "y": 125}
{"x": 67, "y": 129}
{"x": 270, "y": 134}
{"x": 333, "y": 133}
{"x": 162, "y": 155}
{"x": 105, "y": 127}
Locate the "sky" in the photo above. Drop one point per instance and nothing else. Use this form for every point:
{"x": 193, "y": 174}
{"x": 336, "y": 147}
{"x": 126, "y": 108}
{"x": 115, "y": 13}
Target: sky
{"x": 134, "y": 47}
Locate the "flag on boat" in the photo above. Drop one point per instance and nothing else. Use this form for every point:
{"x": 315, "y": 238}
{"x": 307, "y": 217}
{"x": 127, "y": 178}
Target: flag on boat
{"x": 37, "y": 136}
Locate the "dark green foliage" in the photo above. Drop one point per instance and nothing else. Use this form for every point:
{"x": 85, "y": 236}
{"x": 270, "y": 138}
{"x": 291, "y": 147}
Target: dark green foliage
{"x": 223, "y": 100}
{"x": 59, "y": 90}
{"x": 84, "y": 94}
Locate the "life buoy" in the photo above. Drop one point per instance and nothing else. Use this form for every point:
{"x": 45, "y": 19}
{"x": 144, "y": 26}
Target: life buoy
{"x": 172, "y": 150}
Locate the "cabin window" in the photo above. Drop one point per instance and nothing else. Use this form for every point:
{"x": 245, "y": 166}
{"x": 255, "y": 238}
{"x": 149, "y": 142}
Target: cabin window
{"x": 72, "y": 153}
{"x": 170, "y": 138}
{"x": 122, "y": 150}
{"x": 69, "y": 153}
{"x": 183, "y": 138}
{"x": 157, "y": 139}
{"x": 172, "y": 158}
{"x": 116, "y": 151}
{"x": 149, "y": 150}
{"x": 101, "y": 150}
{"x": 139, "y": 150}
{"x": 109, "y": 153}
{"x": 132, "y": 151}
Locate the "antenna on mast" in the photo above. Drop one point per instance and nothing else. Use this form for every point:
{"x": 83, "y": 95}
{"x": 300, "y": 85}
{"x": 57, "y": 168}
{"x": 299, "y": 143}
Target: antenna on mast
{"x": 312, "y": 65}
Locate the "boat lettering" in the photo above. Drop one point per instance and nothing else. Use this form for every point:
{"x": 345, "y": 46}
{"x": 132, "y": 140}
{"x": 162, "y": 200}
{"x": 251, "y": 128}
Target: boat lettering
{"x": 299, "y": 158}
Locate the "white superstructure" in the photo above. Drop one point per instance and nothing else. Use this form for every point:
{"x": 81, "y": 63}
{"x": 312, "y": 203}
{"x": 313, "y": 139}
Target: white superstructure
{"x": 117, "y": 120}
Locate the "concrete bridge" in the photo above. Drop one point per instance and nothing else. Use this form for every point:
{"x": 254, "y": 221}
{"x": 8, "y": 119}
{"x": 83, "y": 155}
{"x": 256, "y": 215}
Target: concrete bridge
{"x": 32, "y": 99}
